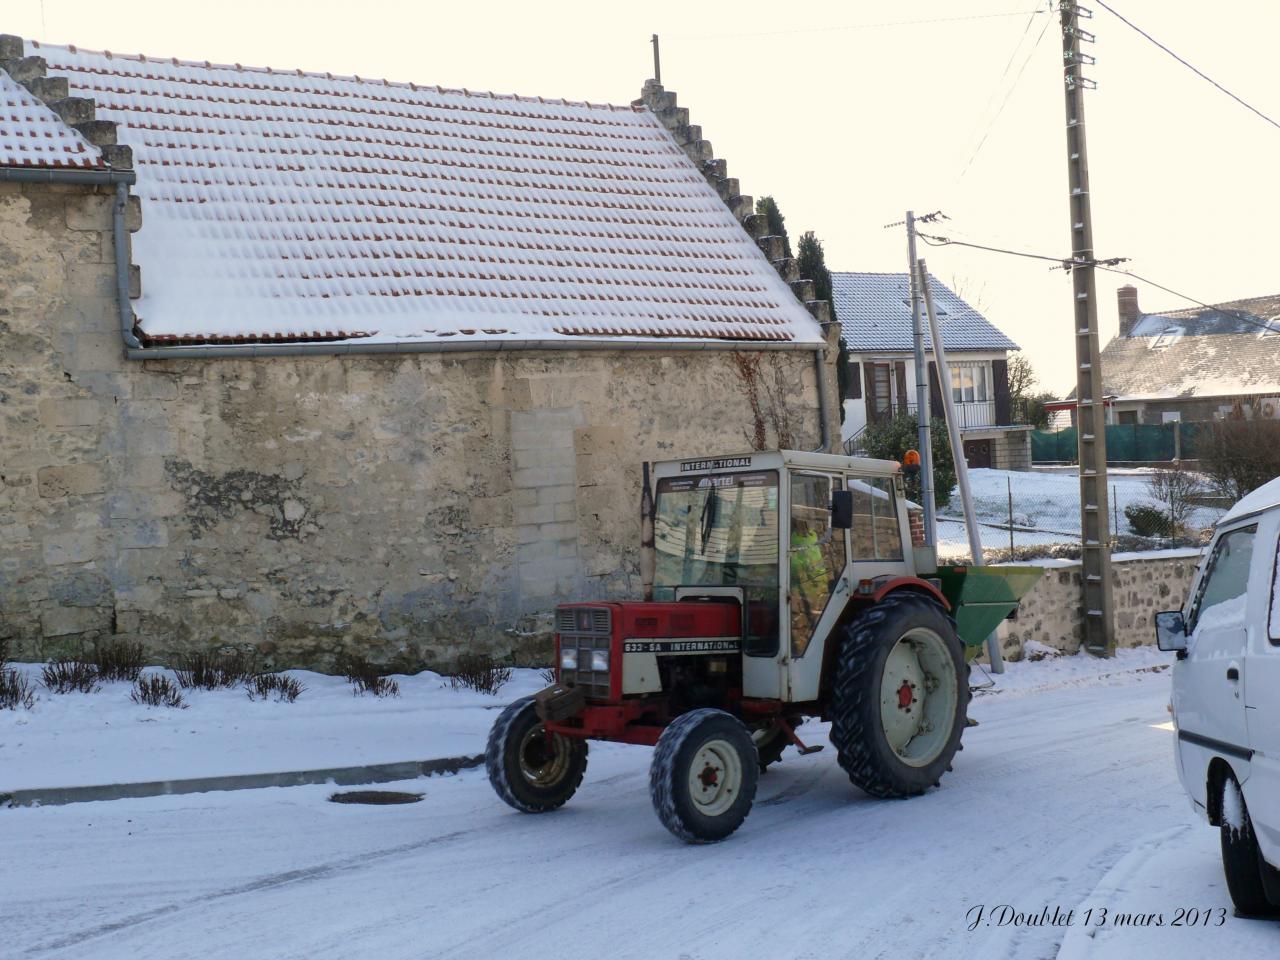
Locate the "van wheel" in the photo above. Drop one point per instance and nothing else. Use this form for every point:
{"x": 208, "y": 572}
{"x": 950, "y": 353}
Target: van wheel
{"x": 1241, "y": 860}
{"x": 703, "y": 777}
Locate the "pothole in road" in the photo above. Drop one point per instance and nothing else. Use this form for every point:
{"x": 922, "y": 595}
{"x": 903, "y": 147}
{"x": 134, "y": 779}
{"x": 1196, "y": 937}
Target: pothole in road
{"x": 375, "y": 797}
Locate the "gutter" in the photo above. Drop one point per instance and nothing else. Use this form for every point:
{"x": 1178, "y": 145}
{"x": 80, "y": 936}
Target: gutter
{"x": 121, "y": 180}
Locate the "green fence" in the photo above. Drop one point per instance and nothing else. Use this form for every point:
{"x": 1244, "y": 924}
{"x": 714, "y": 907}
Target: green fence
{"x": 1126, "y": 442}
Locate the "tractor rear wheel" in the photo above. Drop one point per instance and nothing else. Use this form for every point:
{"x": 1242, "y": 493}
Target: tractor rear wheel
{"x": 900, "y": 696}
{"x": 703, "y": 777}
{"x": 529, "y": 769}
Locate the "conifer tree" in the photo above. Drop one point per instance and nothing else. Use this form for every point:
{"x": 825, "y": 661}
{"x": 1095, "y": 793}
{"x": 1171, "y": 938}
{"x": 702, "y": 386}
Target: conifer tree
{"x": 813, "y": 266}
{"x": 777, "y": 225}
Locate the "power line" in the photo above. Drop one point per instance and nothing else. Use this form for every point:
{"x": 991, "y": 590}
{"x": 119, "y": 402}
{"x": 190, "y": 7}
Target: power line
{"x": 859, "y": 26}
{"x": 1198, "y": 72}
{"x": 1238, "y": 314}
{"x": 1008, "y": 93}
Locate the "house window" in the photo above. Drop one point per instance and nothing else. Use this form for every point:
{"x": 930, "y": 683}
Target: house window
{"x": 970, "y": 382}
{"x": 1168, "y": 338}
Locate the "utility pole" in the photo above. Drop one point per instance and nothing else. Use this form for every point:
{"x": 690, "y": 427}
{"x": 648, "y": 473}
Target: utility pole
{"x": 657, "y": 62}
{"x": 922, "y": 391}
{"x": 1099, "y": 619}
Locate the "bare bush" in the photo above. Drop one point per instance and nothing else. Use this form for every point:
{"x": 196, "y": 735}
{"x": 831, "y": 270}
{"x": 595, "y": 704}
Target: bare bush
{"x": 278, "y": 686}
{"x": 15, "y": 690}
{"x": 1241, "y": 455}
{"x": 70, "y": 676}
{"x": 157, "y": 690}
{"x": 119, "y": 660}
{"x": 479, "y": 672}
{"x": 366, "y": 677}
{"x": 214, "y": 671}
{"x": 548, "y": 674}
{"x": 1176, "y": 490}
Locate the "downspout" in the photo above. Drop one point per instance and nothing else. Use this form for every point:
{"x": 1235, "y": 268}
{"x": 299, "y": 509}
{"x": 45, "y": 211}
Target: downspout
{"x": 121, "y": 180}
{"x": 824, "y": 423}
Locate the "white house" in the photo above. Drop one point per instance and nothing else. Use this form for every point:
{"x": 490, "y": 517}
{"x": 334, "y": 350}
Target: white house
{"x": 874, "y": 310}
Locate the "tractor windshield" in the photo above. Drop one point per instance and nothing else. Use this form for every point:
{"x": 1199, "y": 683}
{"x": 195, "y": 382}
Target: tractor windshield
{"x": 721, "y": 530}
{"x": 717, "y": 530}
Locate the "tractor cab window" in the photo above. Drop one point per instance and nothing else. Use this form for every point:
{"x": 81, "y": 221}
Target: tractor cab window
{"x": 817, "y": 554}
{"x": 722, "y": 530}
{"x": 876, "y": 533}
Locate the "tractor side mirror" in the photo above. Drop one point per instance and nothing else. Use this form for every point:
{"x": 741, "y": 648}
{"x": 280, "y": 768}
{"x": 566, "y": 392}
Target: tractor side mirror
{"x": 842, "y": 509}
{"x": 1171, "y": 631}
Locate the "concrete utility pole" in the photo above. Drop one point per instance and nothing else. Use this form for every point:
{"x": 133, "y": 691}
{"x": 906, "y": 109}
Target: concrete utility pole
{"x": 1099, "y": 612}
{"x": 922, "y": 391}
{"x": 657, "y": 61}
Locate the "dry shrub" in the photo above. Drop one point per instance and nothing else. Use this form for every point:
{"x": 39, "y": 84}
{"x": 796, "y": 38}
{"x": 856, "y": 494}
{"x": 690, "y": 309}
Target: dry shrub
{"x": 214, "y": 671}
{"x": 15, "y": 690}
{"x": 277, "y": 686}
{"x": 548, "y": 674}
{"x": 479, "y": 672}
{"x": 366, "y": 677}
{"x": 157, "y": 690}
{"x": 119, "y": 660}
{"x": 70, "y": 676}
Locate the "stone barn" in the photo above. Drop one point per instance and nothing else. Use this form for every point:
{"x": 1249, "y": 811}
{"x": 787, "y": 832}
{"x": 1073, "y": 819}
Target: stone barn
{"x": 316, "y": 364}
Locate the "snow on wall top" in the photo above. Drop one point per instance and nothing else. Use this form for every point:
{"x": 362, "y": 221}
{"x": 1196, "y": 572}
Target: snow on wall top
{"x": 32, "y": 135}
{"x": 875, "y": 315}
{"x": 291, "y": 205}
{"x": 1232, "y": 349}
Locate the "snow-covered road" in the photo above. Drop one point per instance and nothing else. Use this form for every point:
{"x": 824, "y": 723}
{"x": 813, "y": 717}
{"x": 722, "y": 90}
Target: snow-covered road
{"x": 1053, "y": 790}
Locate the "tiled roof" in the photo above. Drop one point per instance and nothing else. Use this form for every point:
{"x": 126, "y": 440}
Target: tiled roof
{"x": 32, "y": 135}
{"x": 283, "y": 204}
{"x": 875, "y": 315}
{"x": 1232, "y": 349}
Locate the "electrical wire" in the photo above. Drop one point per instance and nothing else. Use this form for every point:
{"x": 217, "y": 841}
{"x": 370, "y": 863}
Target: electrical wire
{"x": 1008, "y": 93}
{"x": 1198, "y": 72}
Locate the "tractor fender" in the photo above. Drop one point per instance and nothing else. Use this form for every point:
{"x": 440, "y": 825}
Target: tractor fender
{"x": 877, "y": 588}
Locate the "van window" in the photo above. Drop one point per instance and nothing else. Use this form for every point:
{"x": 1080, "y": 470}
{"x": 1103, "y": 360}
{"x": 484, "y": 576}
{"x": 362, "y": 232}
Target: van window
{"x": 1226, "y": 578}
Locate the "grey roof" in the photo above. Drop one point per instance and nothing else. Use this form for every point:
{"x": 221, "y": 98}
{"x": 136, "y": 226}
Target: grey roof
{"x": 1232, "y": 349}
{"x": 875, "y": 315}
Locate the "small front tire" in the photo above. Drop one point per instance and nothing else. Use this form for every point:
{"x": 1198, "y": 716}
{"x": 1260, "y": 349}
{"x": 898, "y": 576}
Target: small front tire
{"x": 703, "y": 777}
{"x": 530, "y": 771}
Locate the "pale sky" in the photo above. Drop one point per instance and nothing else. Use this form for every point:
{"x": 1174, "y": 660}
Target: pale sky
{"x": 847, "y": 124}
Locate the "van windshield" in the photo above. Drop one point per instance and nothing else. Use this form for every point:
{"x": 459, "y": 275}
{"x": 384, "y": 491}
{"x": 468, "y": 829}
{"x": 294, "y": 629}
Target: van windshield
{"x": 716, "y": 530}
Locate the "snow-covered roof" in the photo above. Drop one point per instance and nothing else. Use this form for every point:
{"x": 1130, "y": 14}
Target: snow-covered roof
{"x": 32, "y": 135}
{"x": 1232, "y": 349}
{"x": 875, "y": 315}
{"x": 291, "y": 205}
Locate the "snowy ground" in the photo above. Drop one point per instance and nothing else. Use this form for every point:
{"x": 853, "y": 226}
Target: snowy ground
{"x": 1046, "y": 507}
{"x": 74, "y": 739}
{"x": 1064, "y": 796}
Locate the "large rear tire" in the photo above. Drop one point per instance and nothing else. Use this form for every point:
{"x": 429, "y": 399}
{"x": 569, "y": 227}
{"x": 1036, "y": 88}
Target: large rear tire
{"x": 1242, "y": 861}
{"x": 900, "y": 697}
{"x": 703, "y": 777}
{"x": 530, "y": 771}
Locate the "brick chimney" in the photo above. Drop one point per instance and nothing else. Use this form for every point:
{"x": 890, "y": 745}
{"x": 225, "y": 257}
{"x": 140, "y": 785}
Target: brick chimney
{"x": 1130, "y": 314}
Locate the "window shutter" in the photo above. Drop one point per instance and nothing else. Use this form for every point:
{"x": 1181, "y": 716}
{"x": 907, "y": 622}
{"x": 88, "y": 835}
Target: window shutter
{"x": 1004, "y": 404}
{"x": 869, "y": 380}
{"x": 900, "y": 371}
{"x": 936, "y": 407}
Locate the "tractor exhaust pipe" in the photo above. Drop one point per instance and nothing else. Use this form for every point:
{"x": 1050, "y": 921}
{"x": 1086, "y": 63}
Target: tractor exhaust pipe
{"x": 648, "y": 558}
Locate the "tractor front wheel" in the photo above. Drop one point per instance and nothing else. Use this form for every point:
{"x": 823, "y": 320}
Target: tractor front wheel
{"x": 530, "y": 769}
{"x": 900, "y": 696}
{"x": 703, "y": 777}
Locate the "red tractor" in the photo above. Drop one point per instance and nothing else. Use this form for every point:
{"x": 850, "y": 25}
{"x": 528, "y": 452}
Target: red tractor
{"x": 779, "y": 585}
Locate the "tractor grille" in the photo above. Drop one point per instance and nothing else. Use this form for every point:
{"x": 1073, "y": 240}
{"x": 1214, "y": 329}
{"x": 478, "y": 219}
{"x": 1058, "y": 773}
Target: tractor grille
{"x": 585, "y": 629}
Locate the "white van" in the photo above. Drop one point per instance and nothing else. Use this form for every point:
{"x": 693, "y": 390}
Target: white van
{"x": 1226, "y": 695}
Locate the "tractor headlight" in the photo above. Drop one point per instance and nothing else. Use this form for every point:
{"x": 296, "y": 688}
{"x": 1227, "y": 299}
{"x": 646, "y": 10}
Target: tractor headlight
{"x": 569, "y": 659}
{"x": 600, "y": 660}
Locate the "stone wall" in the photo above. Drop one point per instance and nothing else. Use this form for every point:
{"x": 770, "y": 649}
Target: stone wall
{"x": 407, "y": 507}
{"x": 1141, "y": 586}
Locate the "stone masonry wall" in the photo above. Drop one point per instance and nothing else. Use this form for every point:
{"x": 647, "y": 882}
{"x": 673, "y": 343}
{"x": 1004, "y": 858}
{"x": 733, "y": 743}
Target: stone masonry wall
{"x": 406, "y": 507}
{"x": 1142, "y": 586}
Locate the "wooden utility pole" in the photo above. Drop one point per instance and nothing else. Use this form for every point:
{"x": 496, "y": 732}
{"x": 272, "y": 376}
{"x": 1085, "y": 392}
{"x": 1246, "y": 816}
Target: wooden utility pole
{"x": 1095, "y": 535}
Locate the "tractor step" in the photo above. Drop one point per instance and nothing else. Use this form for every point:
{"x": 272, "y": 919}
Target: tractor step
{"x": 799, "y": 744}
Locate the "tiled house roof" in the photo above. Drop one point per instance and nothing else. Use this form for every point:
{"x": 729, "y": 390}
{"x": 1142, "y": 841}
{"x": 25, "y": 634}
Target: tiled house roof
{"x": 1228, "y": 350}
{"x": 875, "y": 315}
{"x": 32, "y": 135}
{"x": 283, "y": 204}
